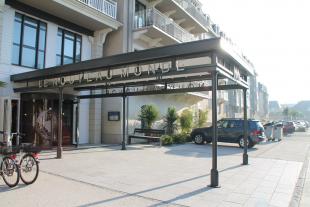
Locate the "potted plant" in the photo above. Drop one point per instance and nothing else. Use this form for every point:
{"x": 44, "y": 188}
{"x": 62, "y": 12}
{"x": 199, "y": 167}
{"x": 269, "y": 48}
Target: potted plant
{"x": 148, "y": 116}
{"x": 186, "y": 121}
{"x": 170, "y": 120}
{"x": 202, "y": 118}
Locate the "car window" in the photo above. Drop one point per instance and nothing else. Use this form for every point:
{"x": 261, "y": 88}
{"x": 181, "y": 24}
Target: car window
{"x": 238, "y": 124}
{"x": 256, "y": 125}
{"x": 222, "y": 124}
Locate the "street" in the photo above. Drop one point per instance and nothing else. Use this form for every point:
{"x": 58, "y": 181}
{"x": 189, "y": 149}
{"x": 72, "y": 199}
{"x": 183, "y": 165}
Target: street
{"x": 147, "y": 175}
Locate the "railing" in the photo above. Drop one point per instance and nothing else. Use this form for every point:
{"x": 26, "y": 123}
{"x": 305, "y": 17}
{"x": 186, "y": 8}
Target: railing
{"x": 202, "y": 18}
{"x": 153, "y": 17}
{"x": 106, "y": 7}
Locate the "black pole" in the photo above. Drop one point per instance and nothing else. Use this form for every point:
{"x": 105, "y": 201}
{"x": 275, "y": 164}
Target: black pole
{"x": 59, "y": 146}
{"x": 214, "y": 171}
{"x": 77, "y": 119}
{"x": 124, "y": 123}
{"x": 245, "y": 129}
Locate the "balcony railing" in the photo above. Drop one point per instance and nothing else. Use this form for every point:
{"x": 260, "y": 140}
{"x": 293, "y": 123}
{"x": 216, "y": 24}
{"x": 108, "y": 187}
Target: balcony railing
{"x": 188, "y": 6}
{"x": 152, "y": 17}
{"x": 106, "y": 7}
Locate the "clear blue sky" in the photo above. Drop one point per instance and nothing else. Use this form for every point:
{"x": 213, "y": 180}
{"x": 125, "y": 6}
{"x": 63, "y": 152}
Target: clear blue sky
{"x": 275, "y": 36}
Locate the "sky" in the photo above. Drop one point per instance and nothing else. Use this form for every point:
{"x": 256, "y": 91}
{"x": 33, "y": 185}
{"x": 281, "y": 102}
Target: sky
{"x": 275, "y": 36}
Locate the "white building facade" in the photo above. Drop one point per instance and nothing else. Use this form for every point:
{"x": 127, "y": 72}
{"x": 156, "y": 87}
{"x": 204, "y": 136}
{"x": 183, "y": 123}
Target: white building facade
{"x": 35, "y": 35}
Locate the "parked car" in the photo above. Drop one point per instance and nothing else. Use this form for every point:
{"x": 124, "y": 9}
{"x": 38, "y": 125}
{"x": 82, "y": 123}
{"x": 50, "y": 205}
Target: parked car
{"x": 307, "y": 124}
{"x": 300, "y": 126}
{"x": 231, "y": 131}
{"x": 288, "y": 127}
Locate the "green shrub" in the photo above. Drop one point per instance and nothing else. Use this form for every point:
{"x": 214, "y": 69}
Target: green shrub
{"x": 2, "y": 84}
{"x": 202, "y": 117}
{"x": 170, "y": 120}
{"x": 166, "y": 140}
{"x": 148, "y": 115}
{"x": 180, "y": 138}
{"x": 186, "y": 121}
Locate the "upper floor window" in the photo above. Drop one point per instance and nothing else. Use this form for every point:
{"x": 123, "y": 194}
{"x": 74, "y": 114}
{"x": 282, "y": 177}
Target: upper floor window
{"x": 29, "y": 42}
{"x": 68, "y": 47}
{"x": 140, "y": 15}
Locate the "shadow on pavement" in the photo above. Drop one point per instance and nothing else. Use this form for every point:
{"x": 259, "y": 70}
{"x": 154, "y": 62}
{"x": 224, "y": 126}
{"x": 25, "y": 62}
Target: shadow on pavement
{"x": 179, "y": 197}
{"x": 193, "y": 150}
{"x": 4, "y": 188}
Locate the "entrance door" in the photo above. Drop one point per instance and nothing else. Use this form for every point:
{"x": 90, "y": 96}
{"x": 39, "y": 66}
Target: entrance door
{"x": 67, "y": 119}
{"x": 39, "y": 120}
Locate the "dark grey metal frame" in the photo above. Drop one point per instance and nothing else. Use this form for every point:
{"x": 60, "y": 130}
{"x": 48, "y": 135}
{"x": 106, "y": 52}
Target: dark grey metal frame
{"x": 193, "y": 49}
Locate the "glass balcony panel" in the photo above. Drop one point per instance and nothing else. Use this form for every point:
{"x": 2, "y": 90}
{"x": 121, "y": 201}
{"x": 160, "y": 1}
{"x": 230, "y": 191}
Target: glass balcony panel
{"x": 152, "y": 17}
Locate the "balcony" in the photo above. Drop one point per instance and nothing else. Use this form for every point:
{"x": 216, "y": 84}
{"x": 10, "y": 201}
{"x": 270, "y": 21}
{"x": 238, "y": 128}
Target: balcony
{"x": 108, "y": 8}
{"x": 91, "y": 14}
{"x": 185, "y": 11}
{"x": 156, "y": 25}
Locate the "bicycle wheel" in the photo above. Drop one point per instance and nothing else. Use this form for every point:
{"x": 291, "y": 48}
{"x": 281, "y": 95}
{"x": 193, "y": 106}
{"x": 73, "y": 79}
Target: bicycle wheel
{"x": 10, "y": 172}
{"x": 29, "y": 169}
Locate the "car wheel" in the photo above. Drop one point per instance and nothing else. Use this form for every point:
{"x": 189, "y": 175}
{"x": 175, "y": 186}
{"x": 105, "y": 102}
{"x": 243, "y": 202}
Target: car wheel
{"x": 241, "y": 143}
{"x": 199, "y": 138}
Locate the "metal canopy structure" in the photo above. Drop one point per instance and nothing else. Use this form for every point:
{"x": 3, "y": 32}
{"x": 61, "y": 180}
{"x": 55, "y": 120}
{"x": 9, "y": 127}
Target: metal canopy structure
{"x": 206, "y": 65}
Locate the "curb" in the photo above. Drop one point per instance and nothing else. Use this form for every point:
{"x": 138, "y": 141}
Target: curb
{"x": 295, "y": 201}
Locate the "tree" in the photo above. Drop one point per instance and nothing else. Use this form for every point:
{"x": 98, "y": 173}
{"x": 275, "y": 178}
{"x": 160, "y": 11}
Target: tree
{"x": 148, "y": 115}
{"x": 295, "y": 114}
{"x": 186, "y": 121}
{"x": 2, "y": 84}
{"x": 286, "y": 112}
{"x": 202, "y": 117}
{"x": 170, "y": 119}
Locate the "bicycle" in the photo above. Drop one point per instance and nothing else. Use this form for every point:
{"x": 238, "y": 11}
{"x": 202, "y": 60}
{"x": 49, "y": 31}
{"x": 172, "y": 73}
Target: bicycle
{"x": 9, "y": 169}
{"x": 29, "y": 162}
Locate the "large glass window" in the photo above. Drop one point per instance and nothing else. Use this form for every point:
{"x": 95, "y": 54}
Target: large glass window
{"x": 29, "y": 42}
{"x": 68, "y": 47}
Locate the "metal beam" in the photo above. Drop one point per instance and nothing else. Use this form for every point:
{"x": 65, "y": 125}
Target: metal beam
{"x": 153, "y": 55}
{"x": 59, "y": 144}
{"x": 214, "y": 171}
{"x": 195, "y": 72}
{"x": 227, "y": 75}
{"x": 163, "y": 91}
{"x": 245, "y": 129}
{"x": 124, "y": 123}
{"x": 145, "y": 83}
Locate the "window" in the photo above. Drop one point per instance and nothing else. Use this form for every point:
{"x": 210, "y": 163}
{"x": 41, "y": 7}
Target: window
{"x": 68, "y": 47}
{"x": 235, "y": 124}
{"x": 29, "y": 42}
{"x": 140, "y": 17}
{"x": 222, "y": 124}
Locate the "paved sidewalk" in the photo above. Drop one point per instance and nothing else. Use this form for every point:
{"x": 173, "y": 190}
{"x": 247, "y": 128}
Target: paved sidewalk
{"x": 305, "y": 197}
{"x": 152, "y": 176}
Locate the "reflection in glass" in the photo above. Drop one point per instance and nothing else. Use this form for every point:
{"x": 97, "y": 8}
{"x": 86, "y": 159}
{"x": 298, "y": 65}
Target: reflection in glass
{"x": 68, "y": 47}
{"x": 15, "y": 54}
{"x": 28, "y": 57}
{"x": 30, "y": 34}
{"x": 78, "y": 49}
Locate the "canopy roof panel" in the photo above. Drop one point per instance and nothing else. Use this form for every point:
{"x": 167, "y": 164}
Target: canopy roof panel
{"x": 193, "y": 61}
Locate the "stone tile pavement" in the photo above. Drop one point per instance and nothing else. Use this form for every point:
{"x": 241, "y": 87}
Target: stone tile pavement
{"x": 152, "y": 176}
{"x": 305, "y": 196}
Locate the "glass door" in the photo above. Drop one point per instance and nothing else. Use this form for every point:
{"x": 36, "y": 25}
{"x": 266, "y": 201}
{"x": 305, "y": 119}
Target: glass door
{"x": 39, "y": 120}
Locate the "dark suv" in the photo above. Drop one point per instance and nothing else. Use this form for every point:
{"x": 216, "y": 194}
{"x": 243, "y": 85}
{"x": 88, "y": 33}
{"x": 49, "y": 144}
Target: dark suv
{"x": 231, "y": 131}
